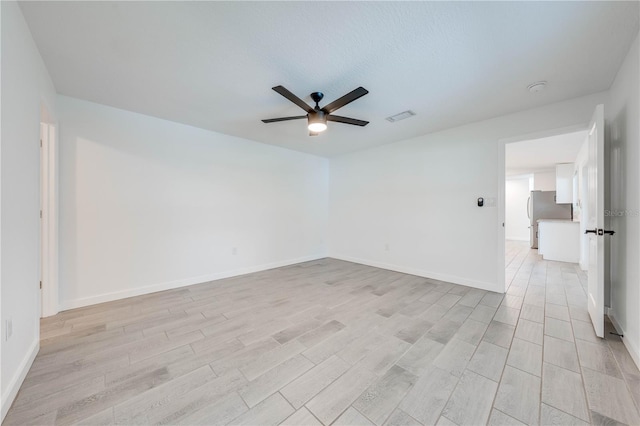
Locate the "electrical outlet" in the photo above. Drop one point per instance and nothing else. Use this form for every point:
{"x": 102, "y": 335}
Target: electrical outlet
{"x": 8, "y": 331}
{"x": 234, "y": 251}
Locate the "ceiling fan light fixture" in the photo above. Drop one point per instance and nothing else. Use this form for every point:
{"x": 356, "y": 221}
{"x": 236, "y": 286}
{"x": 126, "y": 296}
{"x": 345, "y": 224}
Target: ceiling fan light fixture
{"x": 317, "y": 122}
{"x": 317, "y": 127}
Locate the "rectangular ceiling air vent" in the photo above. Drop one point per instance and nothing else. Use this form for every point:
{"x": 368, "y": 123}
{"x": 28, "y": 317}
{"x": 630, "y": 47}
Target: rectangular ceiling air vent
{"x": 401, "y": 116}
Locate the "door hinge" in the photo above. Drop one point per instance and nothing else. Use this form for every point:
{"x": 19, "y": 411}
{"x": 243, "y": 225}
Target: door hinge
{"x": 40, "y": 285}
{"x": 40, "y": 214}
{"x": 40, "y": 143}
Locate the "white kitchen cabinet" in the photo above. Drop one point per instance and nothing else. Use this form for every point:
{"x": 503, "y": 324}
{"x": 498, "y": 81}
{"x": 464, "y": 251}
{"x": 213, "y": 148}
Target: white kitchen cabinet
{"x": 564, "y": 183}
{"x": 559, "y": 240}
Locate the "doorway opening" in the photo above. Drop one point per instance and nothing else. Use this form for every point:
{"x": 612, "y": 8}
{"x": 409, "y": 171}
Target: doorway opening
{"x": 542, "y": 178}
{"x": 563, "y": 171}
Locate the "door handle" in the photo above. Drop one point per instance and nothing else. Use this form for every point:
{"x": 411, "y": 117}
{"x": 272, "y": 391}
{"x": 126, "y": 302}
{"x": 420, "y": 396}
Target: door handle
{"x": 599, "y": 232}
{"x": 528, "y": 211}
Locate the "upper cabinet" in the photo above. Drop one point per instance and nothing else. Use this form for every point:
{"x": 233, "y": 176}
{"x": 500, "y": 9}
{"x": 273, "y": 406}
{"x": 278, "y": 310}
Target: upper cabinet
{"x": 564, "y": 183}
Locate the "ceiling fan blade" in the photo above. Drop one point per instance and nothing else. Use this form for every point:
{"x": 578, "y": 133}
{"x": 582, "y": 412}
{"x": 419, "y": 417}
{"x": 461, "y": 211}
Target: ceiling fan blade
{"x": 346, "y": 120}
{"x": 313, "y": 133}
{"x": 348, "y": 98}
{"x": 293, "y": 98}
{"x": 273, "y": 120}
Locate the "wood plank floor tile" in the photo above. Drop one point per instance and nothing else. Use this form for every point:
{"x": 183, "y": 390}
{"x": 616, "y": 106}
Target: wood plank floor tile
{"x": 483, "y": 313}
{"x": 526, "y": 356}
{"x": 471, "y": 331}
{"x": 379, "y": 400}
{"x": 305, "y": 387}
{"x": 498, "y": 418}
{"x": 219, "y": 412}
{"x": 268, "y": 360}
{"x": 530, "y": 331}
{"x": 554, "y": 417}
{"x": 184, "y": 406}
{"x": 429, "y": 395}
{"x": 563, "y": 390}
{"x": 339, "y": 395}
{"x": 610, "y": 397}
{"x": 598, "y": 357}
{"x": 519, "y": 395}
{"x": 499, "y": 334}
{"x": 270, "y": 382}
{"x": 558, "y": 328}
{"x": 134, "y": 410}
{"x": 471, "y": 400}
{"x": 418, "y": 359}
{"x": 488, "y": 360}
{"x": 561, "y": 353}
{"x": 302, "y": 417}
{"x": 271, "y": 411}
{"x": 400, "y": 418}
{"x": 351, "y": 344}
{"x": 455, "y": 356}
{"x": 351, "y": 417}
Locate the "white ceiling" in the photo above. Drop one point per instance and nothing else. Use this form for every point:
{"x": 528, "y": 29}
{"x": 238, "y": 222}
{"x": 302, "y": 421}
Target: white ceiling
{"x": 212, "y": 64}
{"x": 542, "y": 154}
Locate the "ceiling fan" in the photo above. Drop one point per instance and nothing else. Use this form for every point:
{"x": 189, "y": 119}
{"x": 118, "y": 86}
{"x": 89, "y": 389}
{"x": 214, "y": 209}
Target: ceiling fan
{"x": 317, "y": 117}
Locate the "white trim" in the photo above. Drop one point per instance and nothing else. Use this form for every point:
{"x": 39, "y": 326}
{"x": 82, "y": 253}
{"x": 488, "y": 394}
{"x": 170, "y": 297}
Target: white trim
{"x": 483, "y": 285}
{"x": 633, "y": 351}
{"x": 16, "y": 381}
{"x": 501, "y": 229}
{"x": 49, "y": 222}
{"x": 169, "y": 285}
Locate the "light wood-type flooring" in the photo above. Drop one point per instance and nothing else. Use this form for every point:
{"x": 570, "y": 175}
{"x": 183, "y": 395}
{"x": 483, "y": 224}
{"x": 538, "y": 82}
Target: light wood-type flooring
{"x": 332, "y": 342}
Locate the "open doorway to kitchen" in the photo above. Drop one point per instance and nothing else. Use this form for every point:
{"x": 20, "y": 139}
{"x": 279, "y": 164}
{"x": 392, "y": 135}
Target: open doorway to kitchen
{"x": 543, "y": 200}
{"x": 543, "y": 207}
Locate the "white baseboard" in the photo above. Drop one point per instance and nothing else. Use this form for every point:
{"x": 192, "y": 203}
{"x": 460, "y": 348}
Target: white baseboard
{"x": 169, "y": 285}
{"x": 631, "y": 346}
{"x": 18, "y": 377}
{"x": 483, "y": 285}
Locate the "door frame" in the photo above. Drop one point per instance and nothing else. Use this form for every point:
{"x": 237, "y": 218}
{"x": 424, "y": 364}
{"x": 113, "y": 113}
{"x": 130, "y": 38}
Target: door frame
{"x": 49, "y": 219}
{"x": 502, "y": 176}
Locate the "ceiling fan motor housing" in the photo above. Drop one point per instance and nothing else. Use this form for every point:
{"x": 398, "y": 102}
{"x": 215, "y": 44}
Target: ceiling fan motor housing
{"x": 318, "y": 115}
{"x": 317, "y": 97}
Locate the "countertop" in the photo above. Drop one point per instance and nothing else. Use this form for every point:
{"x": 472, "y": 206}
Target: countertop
{"x": 558, "y": 220}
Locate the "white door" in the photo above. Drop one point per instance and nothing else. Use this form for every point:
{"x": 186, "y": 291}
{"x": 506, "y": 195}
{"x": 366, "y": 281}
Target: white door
{"x": 595, "y": 220}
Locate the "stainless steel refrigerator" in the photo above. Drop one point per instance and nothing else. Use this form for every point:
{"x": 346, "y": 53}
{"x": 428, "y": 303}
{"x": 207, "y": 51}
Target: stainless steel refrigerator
{"x": 542, "y": 205}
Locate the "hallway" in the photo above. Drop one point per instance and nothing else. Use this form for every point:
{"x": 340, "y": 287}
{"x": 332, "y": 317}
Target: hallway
{"x": 554, "y": 316}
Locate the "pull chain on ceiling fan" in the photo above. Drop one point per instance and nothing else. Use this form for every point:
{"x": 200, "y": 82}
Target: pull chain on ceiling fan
{"x": 317, "y": 117}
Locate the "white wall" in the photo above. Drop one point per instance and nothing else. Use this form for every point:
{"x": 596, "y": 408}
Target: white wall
{"x": 622, "y": 119}
{"x": 26, "y": 86}
{"x": 544, "y": 181}
{"x": 147, "y": 204}
{"x": 516, "y": 219}
{"x": 419, "y": 197}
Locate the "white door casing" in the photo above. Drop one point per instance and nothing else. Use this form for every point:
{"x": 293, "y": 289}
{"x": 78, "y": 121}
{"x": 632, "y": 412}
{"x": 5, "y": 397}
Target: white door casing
{"x": 49, "y": 220}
